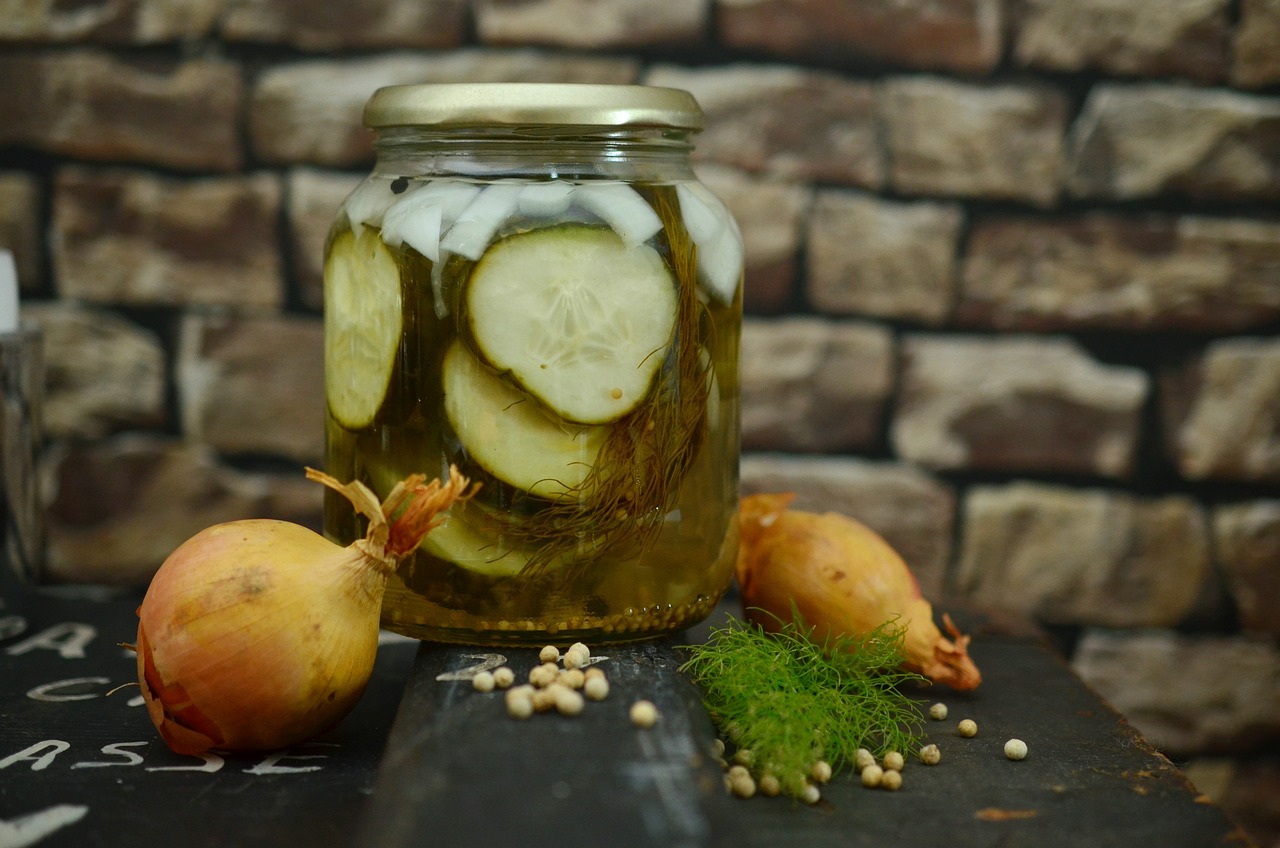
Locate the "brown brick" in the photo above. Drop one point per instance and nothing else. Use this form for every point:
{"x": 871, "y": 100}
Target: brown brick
{"x": 963, "y": 35}
{"x": 1144, "y": 140}
{"x": 1222, "y": 414}
{"x": 911, "y": 509}
{"x": 1247, "y": 542}
{"x": 133, "y": 238}
{"x": 121, "y": 506}
{"x": 770, "y": 212}
{"x": 590, "y": 23}
{"x": 1256, "y": 59}
{"x": 90, "y": 105}
{"x": 1188, "y": 694}
{"x": 1150, "y": 38}
{"x": 253, "y": 385}
{"x": 882, "y": 258}
{"x": 20, "y": 232}
{"x": 321, "y": 25}
{"x": 1067, "y": 556}
{"x": 103, "y": 373}
{"x": 1116, "y": 272}
{"x": 1016, "y": 404}
{"x": 313, "y": 200}
{"x": 964, "y": 140}
{"x": 814, "y": 385}
{"x": 106, "y": 21}
{"x": 785, "y": 121}
{"x": 310, "y": 112}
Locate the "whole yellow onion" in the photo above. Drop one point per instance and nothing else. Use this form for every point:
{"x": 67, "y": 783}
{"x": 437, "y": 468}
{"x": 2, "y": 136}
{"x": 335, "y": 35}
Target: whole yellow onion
{"x": 843, "y": 579}
{"x": 259, "y": 634}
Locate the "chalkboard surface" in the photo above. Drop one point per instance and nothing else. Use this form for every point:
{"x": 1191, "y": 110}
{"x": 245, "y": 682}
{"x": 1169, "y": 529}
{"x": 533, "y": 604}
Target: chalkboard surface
{"x": 81, "y": 767}
{"x": 427, "y": 761}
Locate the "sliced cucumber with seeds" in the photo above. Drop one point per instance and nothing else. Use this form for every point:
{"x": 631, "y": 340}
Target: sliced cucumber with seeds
{"x": 510, "y": 435}
{"x": 580, "y": 319}
{"x": 362, "y": 325}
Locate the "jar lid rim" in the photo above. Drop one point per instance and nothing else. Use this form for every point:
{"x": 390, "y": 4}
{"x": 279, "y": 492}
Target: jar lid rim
{"x": 559, "y": 104}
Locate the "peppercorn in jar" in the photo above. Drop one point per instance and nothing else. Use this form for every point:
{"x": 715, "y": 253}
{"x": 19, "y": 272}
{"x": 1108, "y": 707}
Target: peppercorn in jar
{"x": 532, "y": 285}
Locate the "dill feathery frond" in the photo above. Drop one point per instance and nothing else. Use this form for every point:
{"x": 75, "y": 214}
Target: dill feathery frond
{"x": 792, "y": 701}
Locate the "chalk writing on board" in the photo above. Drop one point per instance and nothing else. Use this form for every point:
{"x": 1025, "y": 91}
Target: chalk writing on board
{"x": 31, "y": 828}
{"x": 41, "y": 755}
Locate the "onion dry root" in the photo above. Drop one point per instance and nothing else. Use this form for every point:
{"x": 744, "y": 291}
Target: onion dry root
{"x": 843, "y": 579}
{"x": 258, "y": 634}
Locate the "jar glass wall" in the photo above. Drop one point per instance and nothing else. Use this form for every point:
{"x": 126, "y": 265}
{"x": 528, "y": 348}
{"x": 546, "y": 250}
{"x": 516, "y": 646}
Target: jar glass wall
{"x": 533, "y": 287}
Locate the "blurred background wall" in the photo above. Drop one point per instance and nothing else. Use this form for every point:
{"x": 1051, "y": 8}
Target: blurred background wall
{"x": 1013, "y": 287}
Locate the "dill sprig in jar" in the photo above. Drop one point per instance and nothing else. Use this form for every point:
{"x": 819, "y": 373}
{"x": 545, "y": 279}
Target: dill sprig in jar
{"x": 532, "y": 285}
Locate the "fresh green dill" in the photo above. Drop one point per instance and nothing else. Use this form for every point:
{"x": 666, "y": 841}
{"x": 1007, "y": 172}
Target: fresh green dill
{"x": 791, "y": 701}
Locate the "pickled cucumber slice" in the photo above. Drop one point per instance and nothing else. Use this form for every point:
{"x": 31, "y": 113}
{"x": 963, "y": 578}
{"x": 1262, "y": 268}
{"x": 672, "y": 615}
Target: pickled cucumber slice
{"x": 512, "y": 436}
{"x": 579, "y": 319}
{"x": 362, "y": 320}
{"x": 458, "y": 542}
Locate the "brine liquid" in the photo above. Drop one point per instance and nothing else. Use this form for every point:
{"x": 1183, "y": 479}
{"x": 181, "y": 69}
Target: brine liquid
{"x": 618, "y": 563}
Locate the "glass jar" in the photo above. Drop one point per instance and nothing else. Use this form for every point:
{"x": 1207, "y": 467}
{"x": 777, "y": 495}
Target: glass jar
{"x": 533, "y": 287}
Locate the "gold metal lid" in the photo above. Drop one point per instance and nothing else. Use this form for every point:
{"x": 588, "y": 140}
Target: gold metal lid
{"x": 561, "y": 104}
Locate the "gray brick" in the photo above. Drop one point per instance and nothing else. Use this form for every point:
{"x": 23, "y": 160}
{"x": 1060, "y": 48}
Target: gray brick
{"x": 591, "y": 24}
{"x": 1146, "y": 140}
{"x": 1188, "y": 694}
{"x": 1148, "y": 38}
{"x": 1109, "y": 271}
{"x": 881, "y": 258}
{"x": 814, "y": 385}
{"x": 121, "y": 506}
{"x": 964, "y": 140}
{"x": 88, "y": 104}
{"x": 1016, "y": 404}
{"x": 1247, "y": 543}
{"x": 103, "y": 373}
{"x": 961, "y": 35}
{"x": 253, "y": 385}
{"x": 133, "y": 238}
{"x": 1094, "y": 557}
{"x": 322, "y": 25}
{"x": 784, "y": 120}
{"x": 1221, "y": 412}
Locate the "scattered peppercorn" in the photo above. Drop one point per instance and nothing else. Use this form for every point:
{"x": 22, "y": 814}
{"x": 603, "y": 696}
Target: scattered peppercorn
{"x": 967, "y": 728}
{"x": 892, "y": 780}
{"x": 1015, "y": 749}
{"x": 872, "y": 775}
{"x": 503, "y": 677}
{"x": 863, "y": 758}
{"x": 644, "y": 714}
{"x": 399, "y": 185}
{"x": 483, "y": 681}
{"x": 810, "y": 794}
{"x": 893, "y": 761}
{"x": 770, "y": 786}
{"x": 821, "y": 771}
{"x": 596, "y": 688}
{"x": 930, "y": 755}
{"x": 938, "y": 712}
{"x": 549, "y": 654}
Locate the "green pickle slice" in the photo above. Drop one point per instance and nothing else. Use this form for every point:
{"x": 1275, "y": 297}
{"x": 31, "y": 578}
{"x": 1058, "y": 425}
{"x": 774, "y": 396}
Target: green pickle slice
{"x": 362, "y": 325}
{"x": 510, "y": 435}
{"x": 578, "y": 317}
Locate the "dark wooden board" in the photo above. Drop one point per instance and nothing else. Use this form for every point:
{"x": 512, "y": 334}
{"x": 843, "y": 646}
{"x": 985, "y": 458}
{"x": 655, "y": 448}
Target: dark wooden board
{"x": 436, "y": 763}
{"x": 459, "y": 769}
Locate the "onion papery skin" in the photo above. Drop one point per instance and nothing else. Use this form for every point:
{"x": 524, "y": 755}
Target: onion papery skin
{"x": 843, "y": 579}
{"x": 256, "y": 635}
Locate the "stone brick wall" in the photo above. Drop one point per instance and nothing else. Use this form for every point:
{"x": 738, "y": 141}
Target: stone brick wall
{"x": 1013, "y": 286}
